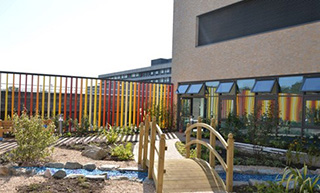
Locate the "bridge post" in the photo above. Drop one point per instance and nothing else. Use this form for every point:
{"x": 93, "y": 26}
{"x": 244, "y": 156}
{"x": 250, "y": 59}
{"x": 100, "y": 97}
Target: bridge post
{"x": 146, "y": 141}
{"x": 199, "y": 136}
{"x": 230, "y": 154}
{"x": 140, "y": 142}
{"x": 162, "y": 145}
{"x": 152, "y": 147}
{"x": 187, "y": 141}
{"x": 212, "y": 157}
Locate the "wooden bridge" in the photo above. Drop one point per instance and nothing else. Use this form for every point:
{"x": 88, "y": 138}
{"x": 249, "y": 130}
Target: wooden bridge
{"x": 185, "y": 175}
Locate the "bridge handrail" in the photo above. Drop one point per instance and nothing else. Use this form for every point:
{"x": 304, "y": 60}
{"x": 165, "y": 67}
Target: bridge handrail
{"x": 211, "y": 129}
{"x": 229, "y": 146}
{"x": 143, "y": 151}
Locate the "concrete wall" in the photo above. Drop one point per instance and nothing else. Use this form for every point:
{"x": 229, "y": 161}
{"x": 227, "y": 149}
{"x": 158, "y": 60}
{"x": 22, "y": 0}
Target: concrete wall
{"x": 291, "y": 50}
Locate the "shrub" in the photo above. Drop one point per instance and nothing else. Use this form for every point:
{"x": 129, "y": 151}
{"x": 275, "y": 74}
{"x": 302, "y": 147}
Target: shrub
{"x": 111, "y": 135}
{"x": 182, "y": 150}
{"x": 32, "y": 138}
{"x": 301, "y": 181}
{"x": 122, "y": 153}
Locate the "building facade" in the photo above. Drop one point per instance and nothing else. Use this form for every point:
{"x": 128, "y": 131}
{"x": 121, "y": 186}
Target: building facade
{"x": 237, "y": 56}
{"x": 158, "y": 72}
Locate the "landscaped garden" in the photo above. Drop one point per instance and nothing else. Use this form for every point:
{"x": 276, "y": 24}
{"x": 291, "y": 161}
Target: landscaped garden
{"x": 38, "y": 165}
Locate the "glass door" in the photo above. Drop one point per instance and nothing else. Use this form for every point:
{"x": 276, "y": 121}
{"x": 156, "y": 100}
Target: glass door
{"x": 226, "y": 106}
{"x": 311, "y": 111}
{"x": 185, "y": 112}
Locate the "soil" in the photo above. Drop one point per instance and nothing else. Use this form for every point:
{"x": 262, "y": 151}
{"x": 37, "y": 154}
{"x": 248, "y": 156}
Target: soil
{"x": 64, "y": 185}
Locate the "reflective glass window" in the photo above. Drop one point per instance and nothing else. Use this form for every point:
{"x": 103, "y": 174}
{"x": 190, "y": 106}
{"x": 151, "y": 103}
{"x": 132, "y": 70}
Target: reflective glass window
{"x": 245, "y": 84}
{"x": 224, "y": 87}
{"x": 182, "y": 89}
{"x": 194, "y": 88}
{"x": 311, "y": 84}
{"x": 212, "y": 84}
{"x": 263, "y": 86}
{"x": 290, "y": 84}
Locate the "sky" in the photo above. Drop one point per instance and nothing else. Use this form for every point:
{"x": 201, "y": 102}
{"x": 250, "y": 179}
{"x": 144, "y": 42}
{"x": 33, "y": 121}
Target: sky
{"x": 83, "y": 37}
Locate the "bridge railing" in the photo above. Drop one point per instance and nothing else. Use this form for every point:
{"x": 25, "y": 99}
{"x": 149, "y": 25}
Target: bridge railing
{"x": 228, "y": 145}
{"x": 144, "y": 143}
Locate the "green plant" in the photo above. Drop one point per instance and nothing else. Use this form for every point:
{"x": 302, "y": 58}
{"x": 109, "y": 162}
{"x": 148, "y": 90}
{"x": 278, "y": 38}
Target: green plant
{"x": 110, "y": 134}
{"x": 32, "y": 138}
{"x": 301, "y": 181}
{"x": 182, "y": 150}
{"x": 122, "y": 152}
{"x": 270, "y": 187}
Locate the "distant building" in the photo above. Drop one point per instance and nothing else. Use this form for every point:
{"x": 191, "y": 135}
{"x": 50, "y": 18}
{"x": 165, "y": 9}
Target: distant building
{"x": 158, "y": 72}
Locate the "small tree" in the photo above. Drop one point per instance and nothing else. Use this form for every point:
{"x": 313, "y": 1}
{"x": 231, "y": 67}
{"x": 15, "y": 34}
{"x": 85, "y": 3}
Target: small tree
{"x": 33, "y": 139}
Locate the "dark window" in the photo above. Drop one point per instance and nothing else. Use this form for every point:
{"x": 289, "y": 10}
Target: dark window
{"x": 194, "y": 88}
{"x": 263, "y": 86}
{"x": 224, "y": 87}
{"x": 311, "y": 85}
{"x": 182, "y": 89}
{"x": 252, "y": 17}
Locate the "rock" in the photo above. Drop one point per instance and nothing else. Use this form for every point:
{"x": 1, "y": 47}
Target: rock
{"x": 60, "y": 174}
{"x": 96, "y": 177}
{"x": 89, "y": 166}
{"x": 240, "y": 183}
{"x": 72, "y": 176}
{"x": 94, "y": 152}
{"x": 148, "y": 181}
{"x": 317, "y": 172}
{"x": 235, "y": 170}
{"x": 47, "y": 174}
{"x": 249, "y": 171}
{"x": 54, "y": 165}
{"x": 73, "y": 165}
{"x": 119, "y": 178}
{"x": 130, "y": 169}
{"x": 31, "y": 172}
{"x": 108, "y": 167}
{"x": 20, "y": 171}
{"x": 4, "y": 171}
{"x": 267, "y": 172}
{"x": 253, "y": 182}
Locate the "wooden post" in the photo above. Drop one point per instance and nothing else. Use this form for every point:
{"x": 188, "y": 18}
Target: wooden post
{"x": 230, "y": 152}
{"x": 213, "y": 144}
{"x": 187, "y": 141}
{"x": 140, "y": 142}
{"x": 199, "y": 138}
{"x": 145, "y": 144}
{"x": 152, "y": 147}
{"x": 162, "y": 146}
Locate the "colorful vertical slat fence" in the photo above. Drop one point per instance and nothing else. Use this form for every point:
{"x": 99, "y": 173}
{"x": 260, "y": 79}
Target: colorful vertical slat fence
{"x": 100, "y": 102}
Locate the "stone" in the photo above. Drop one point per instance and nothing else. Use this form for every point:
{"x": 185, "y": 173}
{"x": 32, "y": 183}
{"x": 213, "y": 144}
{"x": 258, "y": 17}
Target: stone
{"x": 253, "y": 182}
{"x": 108, "y": 167}
{"x": 31, "y": 172}
{"x": 47, "y": 174}
{"x": 20, "y": 171}
{"x": 130, "y": 169}
{"x": 119, "y": 178}
{"x": 148, "y": 181}
{"x": 96, "y": 177}
{"x": 72, "y": 176}
{"x": 249, "y": 171}
{"x": 240, "y": 183}
{"x": 60, "y": 174}
{"x": 54, "y": 165}
{"x": 267, "y": 172}
{"x": 89, "y": 166}
{"x": 317, "y": 172}
{"x": 94, "y": 152}
{"x": 4, "y": 171}
{"x": 73, "y": 165}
